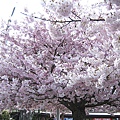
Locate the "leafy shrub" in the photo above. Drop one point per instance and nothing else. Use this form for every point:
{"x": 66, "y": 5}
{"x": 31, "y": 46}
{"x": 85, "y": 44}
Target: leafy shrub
{"x": 5, "y": 115}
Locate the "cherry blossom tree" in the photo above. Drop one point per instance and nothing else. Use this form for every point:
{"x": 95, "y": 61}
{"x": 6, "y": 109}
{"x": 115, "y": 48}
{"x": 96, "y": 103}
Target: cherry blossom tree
{"x": 67, "y": 57}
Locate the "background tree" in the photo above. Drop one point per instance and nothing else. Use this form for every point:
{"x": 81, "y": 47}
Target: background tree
{"x": 68, "y": 57}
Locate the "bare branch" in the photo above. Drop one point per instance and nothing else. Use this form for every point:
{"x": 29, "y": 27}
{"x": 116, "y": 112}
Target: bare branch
{"x": 61, "y": 21}
{"x": 10, "y": 19}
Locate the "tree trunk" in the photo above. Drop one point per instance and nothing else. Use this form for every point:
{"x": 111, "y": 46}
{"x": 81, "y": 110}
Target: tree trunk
{"x": 79, "y": 114}
{"x": 77, "y": 108}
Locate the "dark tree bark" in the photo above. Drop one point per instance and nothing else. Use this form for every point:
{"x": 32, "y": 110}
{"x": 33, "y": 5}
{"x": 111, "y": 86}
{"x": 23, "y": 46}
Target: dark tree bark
{"x": 79, "y": 114}
{"x": 77, "y": 109}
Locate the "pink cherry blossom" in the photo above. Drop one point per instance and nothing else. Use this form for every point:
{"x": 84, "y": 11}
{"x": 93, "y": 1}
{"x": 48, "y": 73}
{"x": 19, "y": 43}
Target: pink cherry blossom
{"x": 69, "y": 59}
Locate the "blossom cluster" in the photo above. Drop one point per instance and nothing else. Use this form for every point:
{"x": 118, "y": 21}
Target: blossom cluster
{"x": 73, "y": 56}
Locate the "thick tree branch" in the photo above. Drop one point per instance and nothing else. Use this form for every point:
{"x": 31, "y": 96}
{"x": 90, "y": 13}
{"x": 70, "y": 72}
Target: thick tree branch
{"x": 109, "y": 102}
{"x": 67, "y": 104}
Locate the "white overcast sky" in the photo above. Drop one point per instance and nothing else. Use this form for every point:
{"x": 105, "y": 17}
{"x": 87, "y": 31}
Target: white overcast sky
{"x": 6, "y": 7}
